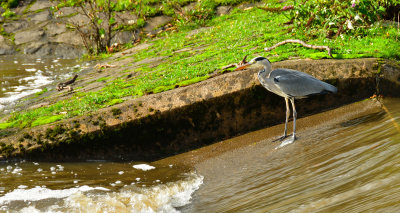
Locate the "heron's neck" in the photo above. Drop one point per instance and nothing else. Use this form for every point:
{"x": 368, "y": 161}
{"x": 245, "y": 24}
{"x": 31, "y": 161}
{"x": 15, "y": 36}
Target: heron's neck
{"x": 267, "y": 68}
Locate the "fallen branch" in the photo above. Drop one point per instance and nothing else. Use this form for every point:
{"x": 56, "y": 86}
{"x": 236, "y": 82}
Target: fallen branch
{"x": 302, "y": 43}
{"x": 64, "y": 85}
{"x": 242, "y": 62}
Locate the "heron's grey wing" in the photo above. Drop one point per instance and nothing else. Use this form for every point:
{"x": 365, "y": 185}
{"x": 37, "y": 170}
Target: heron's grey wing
{"x": 299, "y": 84}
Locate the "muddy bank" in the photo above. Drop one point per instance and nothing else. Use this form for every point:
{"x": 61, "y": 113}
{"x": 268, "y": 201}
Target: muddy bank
{"x": 171, "y": 122}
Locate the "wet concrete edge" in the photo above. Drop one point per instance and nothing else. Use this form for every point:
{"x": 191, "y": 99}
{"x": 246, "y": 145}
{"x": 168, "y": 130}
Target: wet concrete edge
{"x": 164, "y": 124}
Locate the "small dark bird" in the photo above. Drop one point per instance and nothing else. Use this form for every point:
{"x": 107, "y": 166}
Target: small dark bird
{"x": 63, "y": 85}
{"x": 290, "y": 84}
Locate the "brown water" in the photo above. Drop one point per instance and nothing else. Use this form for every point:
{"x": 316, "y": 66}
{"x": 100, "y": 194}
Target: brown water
{"x": 23, "y": 75}
{"x": 346, "y": 166}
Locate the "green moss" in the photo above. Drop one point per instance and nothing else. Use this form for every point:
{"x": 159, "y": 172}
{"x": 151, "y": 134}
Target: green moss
{"x": 76, "y": 124}
{"x": 51, "y": 133}
{"x": 6, "y": 125}
{"x": 46, "y": 120}
{"x": 103, "y": 79}
{"x": 26, "y": 10}
{"x": 162, "y": 88}
{"x": 114, "y": 101}
{"x": 41, "y": 92}
{"x": 116, "y": 111}
{"x": 103, "y": 126}
{"x": 26, "y": 135}
{"x": 8, "y": 13}
{"x": 193, "y": 80}
{"x": 7, "y": 150}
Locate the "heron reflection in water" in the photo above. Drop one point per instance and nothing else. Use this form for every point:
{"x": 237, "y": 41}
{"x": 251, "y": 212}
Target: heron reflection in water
{"x": 291, "y": 85}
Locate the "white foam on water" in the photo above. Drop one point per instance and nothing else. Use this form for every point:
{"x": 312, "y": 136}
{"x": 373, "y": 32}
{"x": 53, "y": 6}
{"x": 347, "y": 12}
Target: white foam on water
{"x": 33, "y": 83}
{"x": 60, "y": 168}
{"x": 144, "y": 167}
{"x": 30, "y": 69}
{"x": 15, "y": 96}
{"x": 159, "y": 198}
{"x": 31, "y": 86}
{"x": 30, "y": 209}
{"x": 41, "y": 193}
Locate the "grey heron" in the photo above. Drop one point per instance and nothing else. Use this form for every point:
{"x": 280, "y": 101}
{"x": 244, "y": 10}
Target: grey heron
{"x": 289, "y": 84}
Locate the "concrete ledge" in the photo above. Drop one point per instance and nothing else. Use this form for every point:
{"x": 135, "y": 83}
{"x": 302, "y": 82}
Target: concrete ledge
{"x": 163, "y": 124}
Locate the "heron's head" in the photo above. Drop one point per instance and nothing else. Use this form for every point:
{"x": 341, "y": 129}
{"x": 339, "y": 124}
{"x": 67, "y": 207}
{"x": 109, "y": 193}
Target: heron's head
{"x": 257, "y": 60}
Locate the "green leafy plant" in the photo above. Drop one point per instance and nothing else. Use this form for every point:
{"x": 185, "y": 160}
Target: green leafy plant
{"x": 333, "y": 18}
{"x": 9, "y": 3}
{"x": 8, "y": 13}
{"x": 100, "y": 28}
{"x": 6, "y": 5}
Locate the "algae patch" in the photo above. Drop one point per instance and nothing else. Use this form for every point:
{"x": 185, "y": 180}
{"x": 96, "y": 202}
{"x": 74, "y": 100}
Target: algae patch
{"x": 46, "y": 120}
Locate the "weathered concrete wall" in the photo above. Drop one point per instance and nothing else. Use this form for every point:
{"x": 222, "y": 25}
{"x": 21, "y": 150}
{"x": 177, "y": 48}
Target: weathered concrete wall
{"x": 158, "y": 125}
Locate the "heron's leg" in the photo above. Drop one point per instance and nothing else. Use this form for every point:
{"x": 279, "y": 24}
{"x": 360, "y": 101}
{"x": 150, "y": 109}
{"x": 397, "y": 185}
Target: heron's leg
{"x": 286, "y": 121}
{"x": 287, "y": 116}
{"x": 294, "y": 118}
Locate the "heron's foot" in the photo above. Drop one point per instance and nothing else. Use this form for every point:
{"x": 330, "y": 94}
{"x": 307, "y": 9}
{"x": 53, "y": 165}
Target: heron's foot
{"x": 287, "y": 142}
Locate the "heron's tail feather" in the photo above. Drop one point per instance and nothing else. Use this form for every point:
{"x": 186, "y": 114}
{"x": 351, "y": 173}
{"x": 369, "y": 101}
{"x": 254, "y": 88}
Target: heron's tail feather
{"x": 328, "y": 88}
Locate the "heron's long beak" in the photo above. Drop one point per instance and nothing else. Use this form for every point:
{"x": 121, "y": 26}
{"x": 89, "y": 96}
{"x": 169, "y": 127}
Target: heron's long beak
{"x": 242, "y": 67}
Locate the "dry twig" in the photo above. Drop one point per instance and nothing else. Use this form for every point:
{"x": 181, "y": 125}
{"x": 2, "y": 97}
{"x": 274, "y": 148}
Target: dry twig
{"x": 242, "y": 62}
{"x": 302, "y": 43}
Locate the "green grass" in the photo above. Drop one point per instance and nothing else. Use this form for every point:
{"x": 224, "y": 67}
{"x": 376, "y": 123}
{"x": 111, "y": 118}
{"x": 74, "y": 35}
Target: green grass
{"x": 6, "y": 125}
{"x": 46, "y": 119}
{"x": 227, "y": 41}
{"x": 103, "y": 79}
{"x": 41, "y": 92}
{"x": 114, "y": 101}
